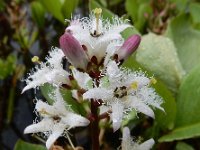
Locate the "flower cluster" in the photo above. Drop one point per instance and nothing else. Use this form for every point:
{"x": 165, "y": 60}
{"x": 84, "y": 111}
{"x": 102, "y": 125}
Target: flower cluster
{"x": 95, "y": 50}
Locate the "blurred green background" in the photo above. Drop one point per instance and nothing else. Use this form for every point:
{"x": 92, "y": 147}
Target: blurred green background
{"x": 170, "y": 51}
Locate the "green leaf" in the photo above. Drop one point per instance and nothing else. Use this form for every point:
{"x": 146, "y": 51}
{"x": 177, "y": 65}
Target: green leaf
{"x": 105, "y": 12}
{"x": 2, "y": 5}
{"x": 47, "y": 90}
{"x": 186, "y": 40}
{"x": 7, "y": 66}
{"x": 115, "y": 2}
{"x": 158, "y": 55}
{"x": 183, "y": 146}
{"x": 54, "y": 7}
{"x": 188, "y": 100}
{"x": 181, "y": 5}
{"x": 129, "y": 32}
{"x": 75, "y": 106}
{"x": 38, "y": 12}
{"x": 195, "y": 11}
{"x": 21, "y": 145}
{"x": 141, "y": 21}
{"x": 163, "y": 120}
{"x": 136, "y": 10}
{"x": 182, "y": 133}
{"x": 132, "y": 9}
{"x": 130, "y": 117}
{"x": 69, "y": 7}
{"x": 188, "y": 112}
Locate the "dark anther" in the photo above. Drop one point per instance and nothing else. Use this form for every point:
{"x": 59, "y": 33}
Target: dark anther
{"x": 84, "y": 47}
{"x": 56, "y": 118}
{"x": 116, "y": 89}
{"x": 95, "y": 34}
{"x": 94, "y": 60}
{"x": 122, "y": 88}
{"x": 64, "y": 63}
{"x": 116, "y": 95}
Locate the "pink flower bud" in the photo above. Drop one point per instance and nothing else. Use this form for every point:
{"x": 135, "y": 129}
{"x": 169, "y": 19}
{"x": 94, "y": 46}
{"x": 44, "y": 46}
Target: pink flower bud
{"x": 129, "y": 46}
{"x": 73, "y": 51}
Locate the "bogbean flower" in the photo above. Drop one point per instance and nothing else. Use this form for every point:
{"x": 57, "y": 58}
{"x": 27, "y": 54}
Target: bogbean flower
{"x": 97, "y": 35}
{"x": 124, "y": 91}
{"x": 129, "y": 144}
{"x": 55, "y": 119}
{"x": 49, "y": 72}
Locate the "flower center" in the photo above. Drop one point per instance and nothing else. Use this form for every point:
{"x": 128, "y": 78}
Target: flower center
{"x": 120, "y": 92}
{"x": 56, "y": 119}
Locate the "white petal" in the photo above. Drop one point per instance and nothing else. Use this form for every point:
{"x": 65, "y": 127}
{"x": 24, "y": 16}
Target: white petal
{"x": 75, "y": 94}
{"x": 126, "y": 133}
{"x": 75, "y": 27}
{"x": 73, "y": 120}
{"x": 98, "y": 93}
{"x": 117, "y": 115}
{"x": 60, "y": 104}
{"x": 42, "y": 126}
{"x": 36, "y": 79}
{"x": 46, "y": 75}
{"x": 104, "y": 108}
{"x": 142, "y": 81}
{"x": 81, "y": 78}
{"x": 140, "y": 106}
{"x": 113, "y": 70}
{"x": 57, "y": 131}
{"x": 57, "y": 77}
{"x": 126, "y": 139}
{"x": 111, "y": 48}
{"x": 55, "y": 58}
{"x": 118, "y": 28}
{"x": 99, "y": 50}
{"x": 45, "y": 109}
{"x": 147, "y": 145}
{"x": 149, "y": 96}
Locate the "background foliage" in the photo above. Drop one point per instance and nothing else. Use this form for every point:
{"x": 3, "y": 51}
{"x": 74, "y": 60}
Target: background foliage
{"x": 169, "y": 50}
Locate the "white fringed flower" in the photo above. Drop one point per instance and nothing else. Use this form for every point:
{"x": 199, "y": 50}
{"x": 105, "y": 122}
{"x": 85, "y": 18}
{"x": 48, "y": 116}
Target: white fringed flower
{"x": 96, "y": 34}
{"x": 55, "y": 119}
{"x": 125, "y": 90}
{"x": 129, "y": 144}
{"x": 49, "y": 72}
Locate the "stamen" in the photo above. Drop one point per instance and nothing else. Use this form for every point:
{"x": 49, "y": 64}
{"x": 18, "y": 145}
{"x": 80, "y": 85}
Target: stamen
{"x": 71, "y": 67}
{"x": 70, "y": 142}
{"x": 97, "y": 13}
{"x": 35, "y": 59}
{"x": 134, "y": 85}
{"x": 153, "y": 81}
{"x": 43, "y": 111}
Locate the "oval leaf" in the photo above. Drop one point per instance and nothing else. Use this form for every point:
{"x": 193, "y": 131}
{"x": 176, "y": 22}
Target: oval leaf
{"x": 182, "y": 133}
{"x": 188, "y": 101}
{"x": 158, "y": 54}
{"x": 21, "y": 145}
{"x": 186, "y": 40}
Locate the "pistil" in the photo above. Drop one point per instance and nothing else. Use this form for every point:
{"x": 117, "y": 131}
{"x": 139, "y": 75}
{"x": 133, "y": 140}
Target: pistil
{"x": 97, "y": 13}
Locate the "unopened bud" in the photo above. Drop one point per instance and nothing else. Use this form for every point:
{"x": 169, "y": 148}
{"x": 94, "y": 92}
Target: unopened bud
{"x": 73, "y": 51}
{"x": 129, "y": 46}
